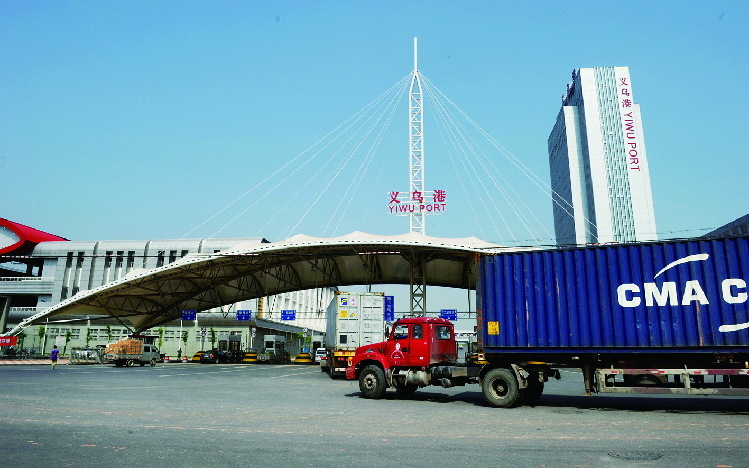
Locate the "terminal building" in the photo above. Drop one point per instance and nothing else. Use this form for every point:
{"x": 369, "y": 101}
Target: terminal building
{"x": 737, "y": 227}
{"x": 38, "y": 270}
{"x": 598, "y": 163}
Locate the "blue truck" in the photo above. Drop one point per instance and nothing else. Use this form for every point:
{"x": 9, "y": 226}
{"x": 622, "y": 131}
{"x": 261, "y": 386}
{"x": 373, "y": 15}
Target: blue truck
{"x": 658, "y": 317}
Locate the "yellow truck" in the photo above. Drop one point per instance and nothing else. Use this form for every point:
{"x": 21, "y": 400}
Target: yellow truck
{"x": 133, "y": 350}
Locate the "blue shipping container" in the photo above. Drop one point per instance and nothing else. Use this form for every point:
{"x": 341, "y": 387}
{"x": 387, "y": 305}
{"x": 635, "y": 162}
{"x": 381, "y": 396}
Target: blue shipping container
{"x": 680, "y": 296}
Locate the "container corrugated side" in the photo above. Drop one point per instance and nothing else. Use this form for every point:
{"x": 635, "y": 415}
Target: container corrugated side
{"x": 681, "y": 296}
{"x": 355, "y": 319}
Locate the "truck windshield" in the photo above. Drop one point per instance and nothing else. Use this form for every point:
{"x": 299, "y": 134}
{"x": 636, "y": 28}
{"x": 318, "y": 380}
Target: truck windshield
{"x": 400, "y": 332}
{"x": 443, "y": 332}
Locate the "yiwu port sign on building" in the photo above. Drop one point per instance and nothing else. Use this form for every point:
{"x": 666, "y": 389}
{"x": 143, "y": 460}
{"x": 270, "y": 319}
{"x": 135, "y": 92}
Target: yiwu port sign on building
{"x": 405, "y": 203}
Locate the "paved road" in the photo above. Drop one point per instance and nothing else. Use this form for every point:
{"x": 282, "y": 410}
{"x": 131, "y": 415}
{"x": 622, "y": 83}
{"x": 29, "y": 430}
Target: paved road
{"x": 280, "y": 416}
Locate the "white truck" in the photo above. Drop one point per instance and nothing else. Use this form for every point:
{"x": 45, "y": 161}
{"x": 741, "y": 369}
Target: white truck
{"x": 133, "y": 350}
{"x": 274, "y": 350}
{"x": 354, "y": 319}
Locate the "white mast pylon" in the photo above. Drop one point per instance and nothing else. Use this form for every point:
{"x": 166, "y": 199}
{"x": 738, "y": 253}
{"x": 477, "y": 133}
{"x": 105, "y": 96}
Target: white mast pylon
{"x": 416, "y": 144}
{"x": 418, "y": 287}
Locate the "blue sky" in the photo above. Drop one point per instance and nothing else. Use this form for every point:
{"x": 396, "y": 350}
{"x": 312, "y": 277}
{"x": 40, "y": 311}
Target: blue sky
{"x": 141, "y": 120}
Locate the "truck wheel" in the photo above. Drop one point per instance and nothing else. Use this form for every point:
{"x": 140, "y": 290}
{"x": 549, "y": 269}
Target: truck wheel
{"x": 372, "y": 382}
{"x": 119, "y": 363}
{"x": 152, "y": 362}
{"x": 533, "y": 391}
{"x": 500, "y": 388}
{"x": 129, "y": 363}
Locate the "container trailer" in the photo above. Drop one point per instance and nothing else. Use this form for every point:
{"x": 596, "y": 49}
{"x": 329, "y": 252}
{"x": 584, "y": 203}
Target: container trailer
{"x": 661, "y": 317}
{"x": 354, "y": 319}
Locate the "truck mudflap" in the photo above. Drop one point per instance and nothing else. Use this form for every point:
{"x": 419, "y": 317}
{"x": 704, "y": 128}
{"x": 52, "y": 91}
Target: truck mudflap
{"x": 674, "y": 381}
{"x": 528, "y": 374}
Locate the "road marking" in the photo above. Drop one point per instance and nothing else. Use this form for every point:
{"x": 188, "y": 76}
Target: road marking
{"x": 291, "y": 375}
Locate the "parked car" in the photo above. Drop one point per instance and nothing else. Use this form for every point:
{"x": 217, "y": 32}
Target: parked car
{"x": 214, "y": 356}
{"x": 321, "y": 354}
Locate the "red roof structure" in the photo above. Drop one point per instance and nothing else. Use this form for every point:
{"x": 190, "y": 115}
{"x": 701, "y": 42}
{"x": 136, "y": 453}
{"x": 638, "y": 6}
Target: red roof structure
{"x": 28, "y": 237}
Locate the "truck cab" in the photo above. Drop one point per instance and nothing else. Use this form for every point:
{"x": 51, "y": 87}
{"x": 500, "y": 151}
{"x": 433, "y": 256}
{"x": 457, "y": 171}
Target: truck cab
{"x": 415, "y": 342}
{"x": 415, "y": 347}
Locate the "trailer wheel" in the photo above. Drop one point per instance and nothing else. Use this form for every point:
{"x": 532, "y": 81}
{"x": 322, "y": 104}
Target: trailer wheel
{"x": 533, "y": 391}
{"x": 372, "y": 382}
{"x": 152, "y": 362}
{"x": 500, "y": 388}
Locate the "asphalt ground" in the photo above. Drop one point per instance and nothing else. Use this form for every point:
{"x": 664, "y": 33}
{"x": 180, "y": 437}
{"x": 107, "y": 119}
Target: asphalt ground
{"x": 205, "y": 415}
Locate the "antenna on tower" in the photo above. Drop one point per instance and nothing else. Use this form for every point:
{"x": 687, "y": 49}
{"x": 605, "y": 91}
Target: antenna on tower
{"x": 416, "y": 54}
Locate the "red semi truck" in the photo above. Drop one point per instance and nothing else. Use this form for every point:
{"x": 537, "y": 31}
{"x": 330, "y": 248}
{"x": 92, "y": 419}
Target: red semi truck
{"x": 422, "y": 351}
{"x": 666, "y": 317}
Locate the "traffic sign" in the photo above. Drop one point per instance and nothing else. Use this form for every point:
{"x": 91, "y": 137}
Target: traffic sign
{"x": 389, "y": 309}
{"x": 189, "y": 314}
{"x": 449, "y": 314}
{"x": 288, "y": 315}
{"x": 244, "y": 315}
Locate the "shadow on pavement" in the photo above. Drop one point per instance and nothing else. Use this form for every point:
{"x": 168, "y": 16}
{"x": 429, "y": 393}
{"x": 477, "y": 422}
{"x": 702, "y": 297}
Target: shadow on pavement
{"x": 572, "y": 404}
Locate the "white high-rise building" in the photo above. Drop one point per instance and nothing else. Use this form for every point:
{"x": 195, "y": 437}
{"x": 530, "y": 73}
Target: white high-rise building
{"x": 599, "y": 167}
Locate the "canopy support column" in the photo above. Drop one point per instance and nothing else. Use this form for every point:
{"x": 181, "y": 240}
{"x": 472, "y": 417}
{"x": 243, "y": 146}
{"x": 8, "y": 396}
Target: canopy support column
{"x": 417, "y": 283}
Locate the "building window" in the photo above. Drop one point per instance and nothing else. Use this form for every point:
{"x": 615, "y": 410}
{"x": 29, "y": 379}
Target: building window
{"x": 130, "y": 260}
{"x": 66, "y": 276}
{"x": 118, "y": 264}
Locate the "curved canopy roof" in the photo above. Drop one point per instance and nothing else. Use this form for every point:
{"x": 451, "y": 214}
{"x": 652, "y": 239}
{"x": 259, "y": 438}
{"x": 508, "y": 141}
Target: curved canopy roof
{"x": 147, "y": 298}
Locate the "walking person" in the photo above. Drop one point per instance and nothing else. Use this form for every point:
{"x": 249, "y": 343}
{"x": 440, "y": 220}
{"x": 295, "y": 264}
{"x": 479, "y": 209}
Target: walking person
{"x": 54, "y": 356}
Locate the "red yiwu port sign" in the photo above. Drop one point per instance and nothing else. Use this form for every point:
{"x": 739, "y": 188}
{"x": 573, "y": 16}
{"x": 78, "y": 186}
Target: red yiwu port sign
{"x": 8, "y": 340}
{"x": 430, "y": 201}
